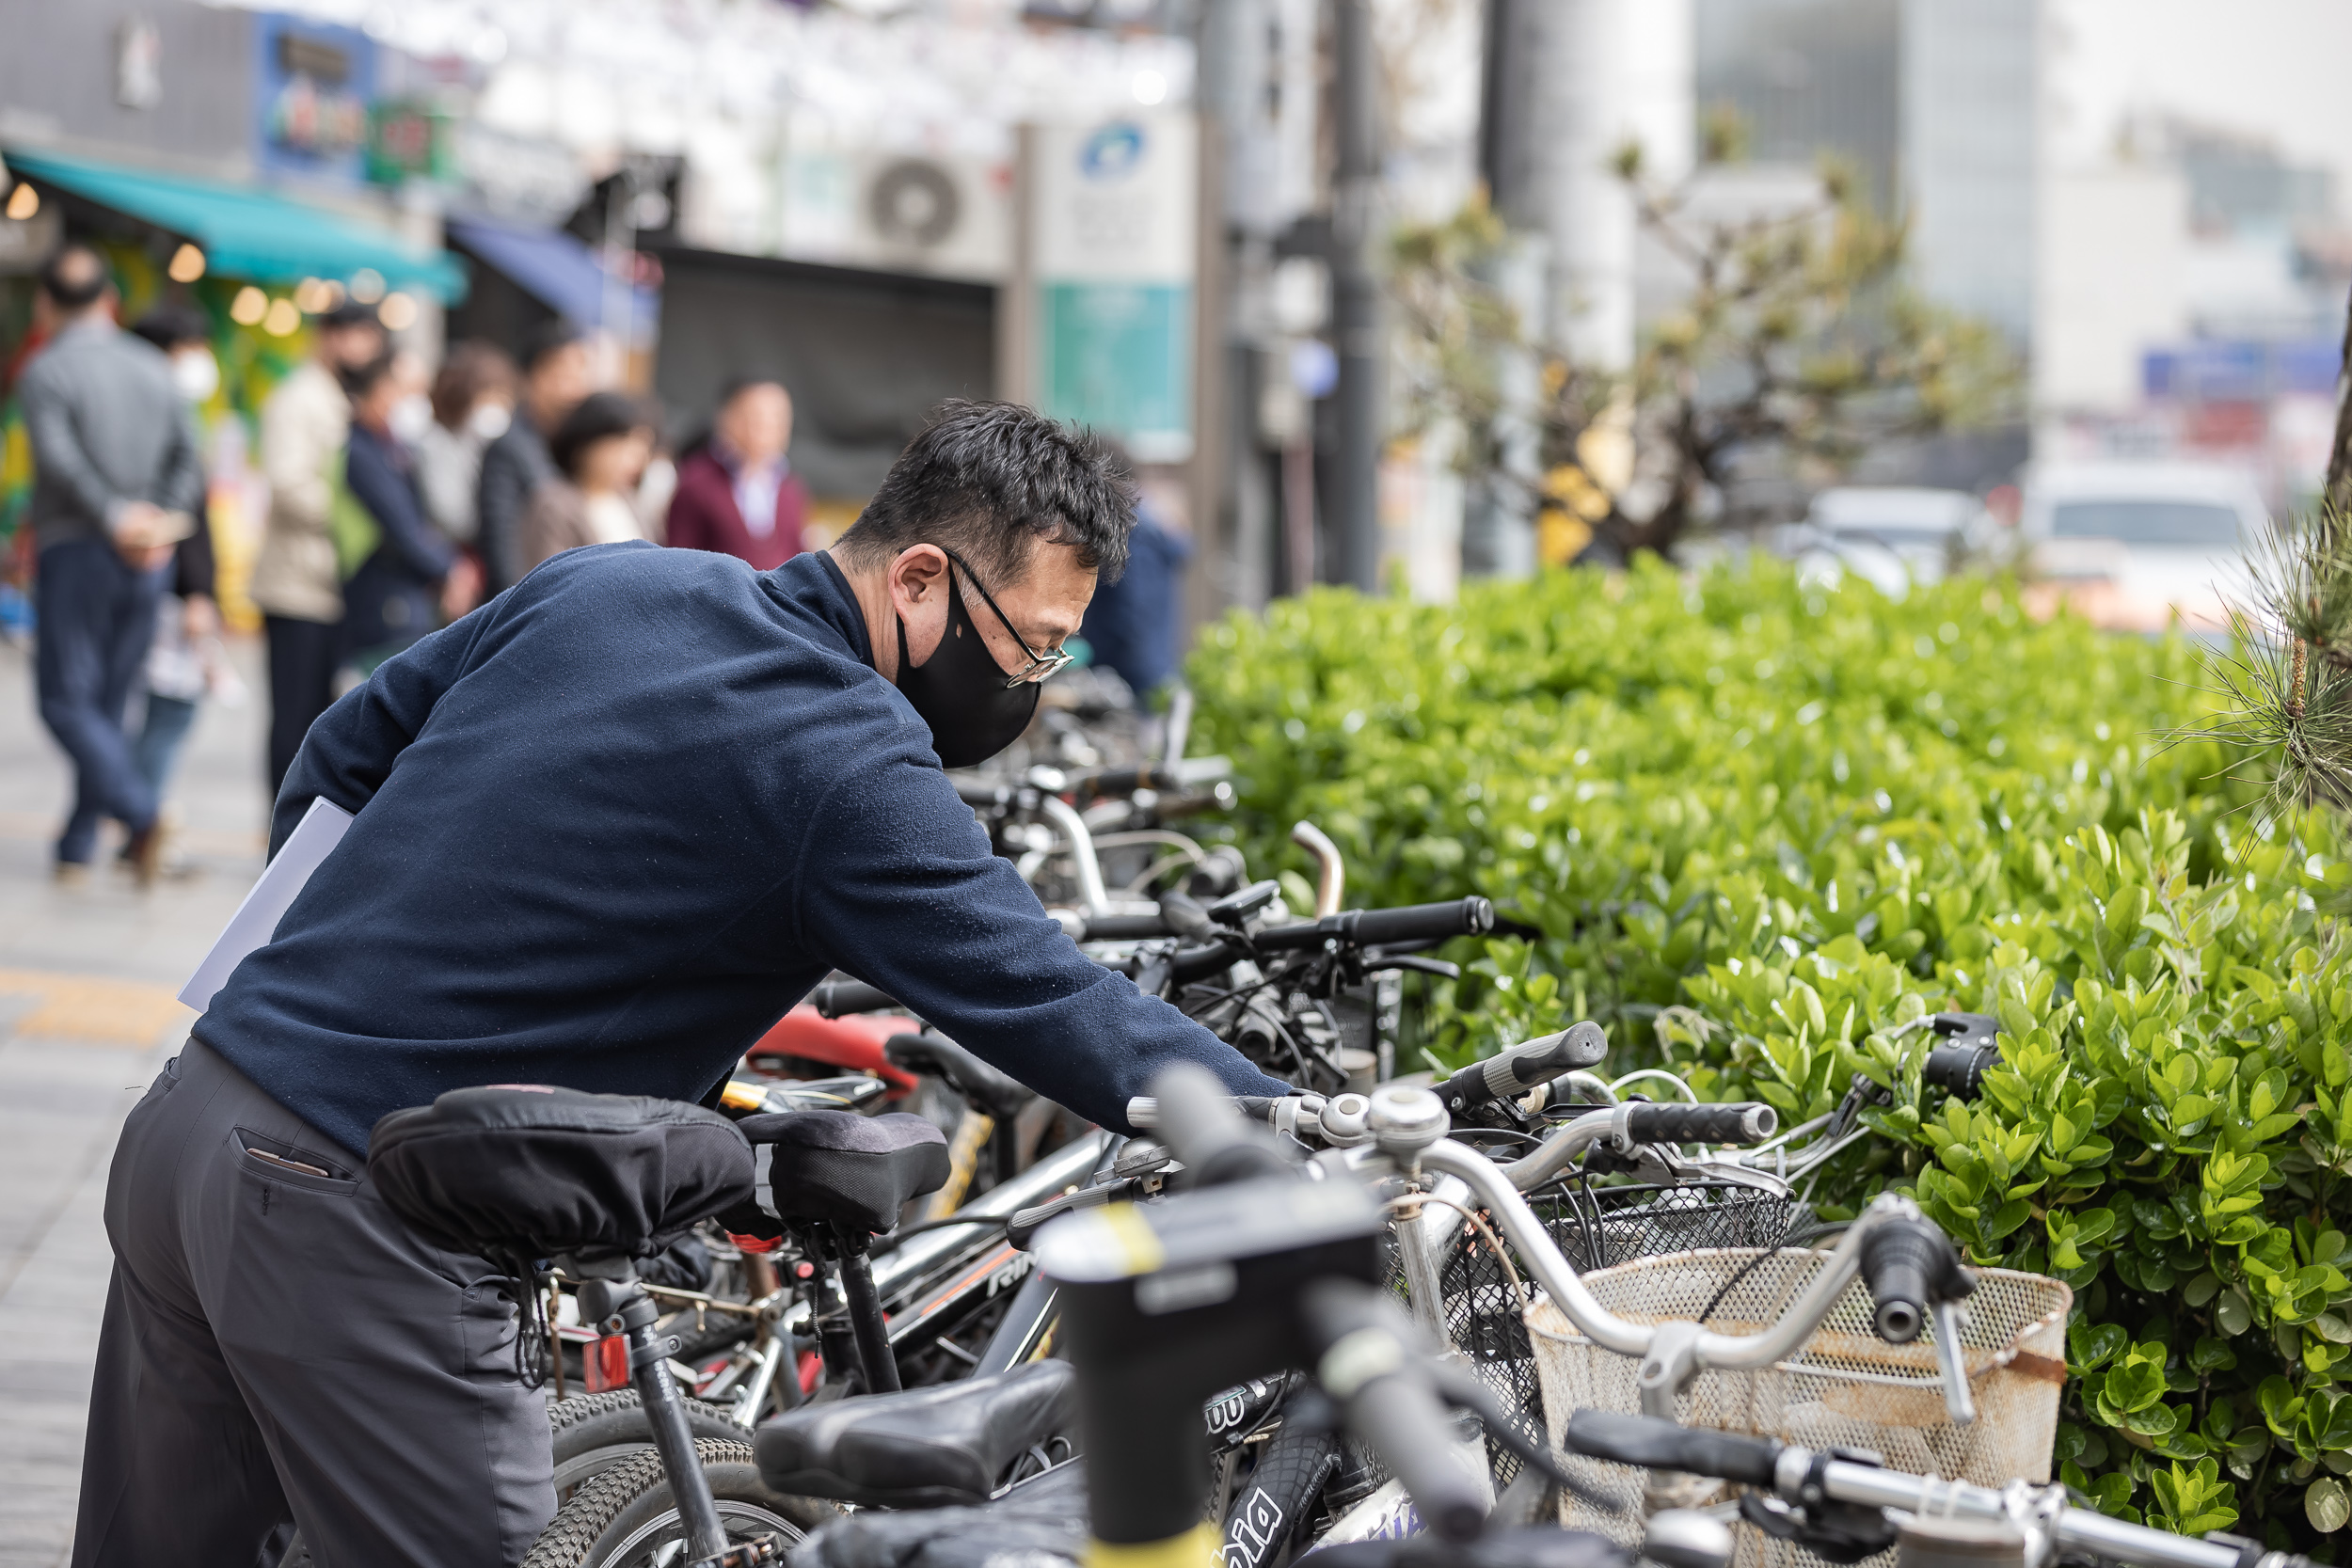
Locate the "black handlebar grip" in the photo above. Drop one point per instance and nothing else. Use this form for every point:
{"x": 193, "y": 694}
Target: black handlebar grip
{"x": 1523, "y": 1067}
{"x": 1910, "y": 1265}
{"x": 1701, "y": 1124}
{"x": 836, "y": 997}
{"x": 981, "y": 792}
{"x": 1364, "y": 1359}
{"x": 1124, "y": 927}
{"x": 1656, "y": 1445}
{"x": 1462, "y": 917}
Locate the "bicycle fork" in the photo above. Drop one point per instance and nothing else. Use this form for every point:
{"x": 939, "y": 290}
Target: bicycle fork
{"x": 613, "y": 1298}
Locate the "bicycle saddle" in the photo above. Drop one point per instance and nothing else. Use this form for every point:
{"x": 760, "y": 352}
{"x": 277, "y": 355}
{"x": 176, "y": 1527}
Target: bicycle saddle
{"x": 538, "y": 1171}
{"x": 926, "y": 1447}
{"x": 997, "y": 1093}
{"x": 837, "y": 1168}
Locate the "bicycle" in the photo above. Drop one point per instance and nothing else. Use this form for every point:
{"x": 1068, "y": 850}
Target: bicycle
{"x": 1834, "y": 1504}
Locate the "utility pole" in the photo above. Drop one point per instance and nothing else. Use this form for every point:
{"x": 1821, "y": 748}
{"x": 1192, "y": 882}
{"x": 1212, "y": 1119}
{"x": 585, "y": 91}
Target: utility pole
{"x": 1356, "y": 302}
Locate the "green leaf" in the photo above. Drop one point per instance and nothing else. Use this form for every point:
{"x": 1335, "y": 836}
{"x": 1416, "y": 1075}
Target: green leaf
{"x": 2327, "y": 1505}
{"x": 2095, "y": 1344}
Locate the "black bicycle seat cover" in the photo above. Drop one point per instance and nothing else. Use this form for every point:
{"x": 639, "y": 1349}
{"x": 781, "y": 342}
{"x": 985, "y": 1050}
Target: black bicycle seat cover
{"x": 1040, "y": 1523}
{"x": 838, "y": 1168}
{"x": 926, "y": 1447}
{"x": 542, "y": 1172}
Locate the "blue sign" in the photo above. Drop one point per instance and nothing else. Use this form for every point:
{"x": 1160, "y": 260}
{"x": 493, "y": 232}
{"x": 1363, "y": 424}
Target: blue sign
{"x": 1113, "y": 151}
{"x": 312, "y": 87}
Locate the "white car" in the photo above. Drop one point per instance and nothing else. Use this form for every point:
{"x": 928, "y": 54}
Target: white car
{"x": 1890, "y": 536}
{"x": 2133, "y": 546}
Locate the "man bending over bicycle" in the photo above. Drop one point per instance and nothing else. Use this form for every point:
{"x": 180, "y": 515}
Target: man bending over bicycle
{"x": 610, "y": 827}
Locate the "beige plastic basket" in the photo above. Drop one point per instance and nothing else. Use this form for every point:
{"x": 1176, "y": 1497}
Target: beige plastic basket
{"x": 1844, "y": 1387}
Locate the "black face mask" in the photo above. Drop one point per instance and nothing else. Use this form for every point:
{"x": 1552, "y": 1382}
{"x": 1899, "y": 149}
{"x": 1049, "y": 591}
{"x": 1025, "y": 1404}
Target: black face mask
{"x": 961, "y": 693}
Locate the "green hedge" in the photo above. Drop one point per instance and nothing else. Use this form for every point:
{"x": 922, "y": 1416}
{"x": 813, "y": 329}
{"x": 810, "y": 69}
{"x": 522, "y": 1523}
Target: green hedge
{"x": 1761, "y": 826}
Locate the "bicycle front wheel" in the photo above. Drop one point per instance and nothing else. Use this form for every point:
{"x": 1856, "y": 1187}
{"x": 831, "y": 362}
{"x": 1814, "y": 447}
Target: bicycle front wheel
{"x": 627, "y": 1517}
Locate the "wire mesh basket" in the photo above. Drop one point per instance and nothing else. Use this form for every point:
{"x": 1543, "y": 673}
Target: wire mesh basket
{"x": 1485, "y": 1312}
{"x": 1844, "y": 1387}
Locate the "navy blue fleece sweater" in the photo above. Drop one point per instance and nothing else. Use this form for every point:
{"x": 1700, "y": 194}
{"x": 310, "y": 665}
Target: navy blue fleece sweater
{"x": 614, "y": 823}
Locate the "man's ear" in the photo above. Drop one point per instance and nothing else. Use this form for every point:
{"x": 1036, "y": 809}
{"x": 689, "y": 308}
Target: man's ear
{"x": 918, "y": 585}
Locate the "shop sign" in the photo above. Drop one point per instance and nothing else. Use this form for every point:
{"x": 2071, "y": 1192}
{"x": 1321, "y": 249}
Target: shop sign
{"x": 313, "y": 84}
{"x": 410, "y": 139}
{"x": 1113, "y": 257}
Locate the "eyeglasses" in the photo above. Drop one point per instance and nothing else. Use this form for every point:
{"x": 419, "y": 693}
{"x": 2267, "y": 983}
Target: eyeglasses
{"x": 1042, "y": 666}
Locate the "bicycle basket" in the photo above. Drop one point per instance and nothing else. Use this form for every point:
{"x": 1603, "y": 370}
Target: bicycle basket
{"x": 1596, "y": 1226}
{"x": 1844, "y": 1387}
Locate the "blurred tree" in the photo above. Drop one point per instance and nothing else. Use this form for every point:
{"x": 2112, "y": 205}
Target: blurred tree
{"x": 2286, "y": 683}
{"x": 1797, "y": 349}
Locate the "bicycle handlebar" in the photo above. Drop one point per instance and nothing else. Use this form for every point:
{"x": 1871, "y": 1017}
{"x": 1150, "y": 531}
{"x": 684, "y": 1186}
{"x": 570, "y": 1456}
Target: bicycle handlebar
{"x": 1910, "y": 1266}
{"x": 1365, "y": 1360}
{"x": 1792, "y": 1471}
{"x": 1461, "y": 917}
{"x": 1523, "y": 1067}
{"x": 832, "y": 998}
{"x": 1656, "y": 1445}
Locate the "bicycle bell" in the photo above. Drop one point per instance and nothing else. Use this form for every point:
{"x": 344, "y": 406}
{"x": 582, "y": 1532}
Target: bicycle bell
{"x": 1687, "y": 1538}
{"x": 1404, "y": 1119}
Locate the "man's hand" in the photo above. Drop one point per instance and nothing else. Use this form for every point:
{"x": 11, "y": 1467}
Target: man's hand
{"x": 199, "y": 618}
{"x": 140, "y": 535}
{"x": 461, "y": 589}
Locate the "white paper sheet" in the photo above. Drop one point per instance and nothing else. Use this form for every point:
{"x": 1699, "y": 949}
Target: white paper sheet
{"x": 256, "y": 921}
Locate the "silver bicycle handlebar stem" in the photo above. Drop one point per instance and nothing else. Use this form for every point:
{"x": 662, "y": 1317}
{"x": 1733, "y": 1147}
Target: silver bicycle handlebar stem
{"x": 1089, "y": 870}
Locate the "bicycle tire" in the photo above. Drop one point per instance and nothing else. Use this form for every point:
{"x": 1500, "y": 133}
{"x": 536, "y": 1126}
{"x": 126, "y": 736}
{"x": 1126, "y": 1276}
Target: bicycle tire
{"x": 623, "y": 1517}
{"x": 596, "y": 1432}
{"x": 591, "y": 1433}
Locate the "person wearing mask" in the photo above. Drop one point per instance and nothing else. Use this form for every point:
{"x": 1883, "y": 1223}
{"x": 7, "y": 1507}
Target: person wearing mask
{"x": 599, "y": 451}
{"x": 737, "y": 494}
{"x": 297, "y": 582}
{"x": 473, "y": 402}
{"x": 558, "y": 371}
{"x": 414, "y": 577}
{"x": 608, "y": 829}
{"x": 181, "y": 665}
{"x": 117, "y": 483}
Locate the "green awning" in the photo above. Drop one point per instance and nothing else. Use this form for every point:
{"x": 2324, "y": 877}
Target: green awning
{"x": 249, "y": 233}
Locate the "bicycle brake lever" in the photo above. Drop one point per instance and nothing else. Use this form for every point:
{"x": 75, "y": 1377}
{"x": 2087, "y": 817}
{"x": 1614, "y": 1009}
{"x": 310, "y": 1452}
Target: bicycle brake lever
{"x": 1958, "y": 1404}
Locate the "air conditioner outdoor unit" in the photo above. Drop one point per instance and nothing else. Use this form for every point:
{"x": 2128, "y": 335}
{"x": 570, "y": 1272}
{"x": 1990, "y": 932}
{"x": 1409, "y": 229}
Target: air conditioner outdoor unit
{"x": 940, "y": 214}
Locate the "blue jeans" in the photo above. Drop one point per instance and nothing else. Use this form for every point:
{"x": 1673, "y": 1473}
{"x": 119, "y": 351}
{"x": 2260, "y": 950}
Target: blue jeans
{"x": 96, "y": 617}
{"x": 158, "y": 745}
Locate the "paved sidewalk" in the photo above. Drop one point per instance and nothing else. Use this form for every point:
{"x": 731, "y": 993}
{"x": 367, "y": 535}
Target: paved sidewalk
{"x": 87, "y": 1017}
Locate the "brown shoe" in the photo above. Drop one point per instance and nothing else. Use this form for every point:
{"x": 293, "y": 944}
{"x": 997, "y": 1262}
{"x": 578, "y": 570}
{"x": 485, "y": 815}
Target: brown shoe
{"x": 71, "y": 874}
{"x": 146, "y": 852}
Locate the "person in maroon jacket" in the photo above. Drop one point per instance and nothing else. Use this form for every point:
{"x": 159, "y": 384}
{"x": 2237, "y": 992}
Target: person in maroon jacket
{"x": 737, "y": 494}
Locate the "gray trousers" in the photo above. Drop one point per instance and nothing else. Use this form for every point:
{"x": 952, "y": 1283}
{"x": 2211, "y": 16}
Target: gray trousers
{"x": 278, "y": 1347}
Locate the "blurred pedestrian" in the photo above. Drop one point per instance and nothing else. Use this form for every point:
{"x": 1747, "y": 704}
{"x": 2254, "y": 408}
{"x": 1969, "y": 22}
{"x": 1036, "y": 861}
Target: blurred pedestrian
{"x": 473, "y": 402}
{"x": 1134, "y": 623}
{"x": 600, "y": 451}
{"x": 297, "y": 581}
{"x": 558, "y": 371}
{"x": 414, "y": 576}
{"x": 736, "y": 493}
{"x": 117, "y": 482}
{"x": 185, "y": 661}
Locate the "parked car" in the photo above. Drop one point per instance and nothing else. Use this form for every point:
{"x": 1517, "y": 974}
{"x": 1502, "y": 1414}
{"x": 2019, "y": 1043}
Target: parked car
{"x": 2135, "y": 546}
{"x": 1890, "y": 536}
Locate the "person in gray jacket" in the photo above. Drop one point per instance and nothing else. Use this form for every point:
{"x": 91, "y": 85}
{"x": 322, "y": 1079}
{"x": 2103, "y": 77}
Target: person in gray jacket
{"x": 117, "y": 482}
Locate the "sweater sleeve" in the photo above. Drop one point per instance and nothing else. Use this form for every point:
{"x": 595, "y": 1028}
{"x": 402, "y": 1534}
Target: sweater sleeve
{"x": 56, "y": 442}
{"x": 350, "y": 751}
{"x": 899, "y": 887}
